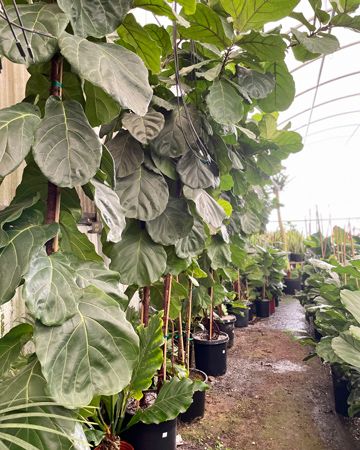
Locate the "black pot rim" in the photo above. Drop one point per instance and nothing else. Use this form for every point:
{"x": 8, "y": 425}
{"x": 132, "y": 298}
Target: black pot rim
{"x": 231, "y": 320}
{"x": 212, "y": 342}
{"x": 192, "y": 369}
{"x": 262, "y": 300}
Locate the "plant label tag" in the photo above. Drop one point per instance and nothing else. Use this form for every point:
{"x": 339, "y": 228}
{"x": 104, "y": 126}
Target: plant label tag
{"x": 164, "y": 435}
{"x": 224, "y": 351}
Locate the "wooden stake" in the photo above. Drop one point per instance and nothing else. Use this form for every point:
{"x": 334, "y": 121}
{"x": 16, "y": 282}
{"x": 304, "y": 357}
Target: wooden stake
{"x": 167, "y": 296}
{"x": 181, "y": 355}
{"x": 337, "y": 245}
{"x": 189, "y": 326}
{"x": 353, "y": 252}
{"x": 145, "y": 306}
{"x": 211, "y": 306}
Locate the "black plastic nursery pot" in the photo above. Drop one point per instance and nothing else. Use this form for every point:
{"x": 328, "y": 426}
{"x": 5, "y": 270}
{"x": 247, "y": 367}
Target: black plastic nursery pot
{"x": 197, "y": 408}
{"x": 241, "y": 321}
{"x": 252, "y": 310}
{"x": 263, "y": 307}
{"x": 292, "y": 285}
{"x": 276, "y": 298}
{"x": 341, "y": 394}
{"x": 211, "y": 356}
{"x": 296, "y": 257}
{"x": 226, "y": 324}
{"x": 161, "y": 436}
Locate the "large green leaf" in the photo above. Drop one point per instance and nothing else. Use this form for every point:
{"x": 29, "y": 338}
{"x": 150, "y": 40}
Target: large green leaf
{"x": 284, "y": 92}
{"x": 207, "y": 208}
{"x": 74, "y": 241}
{"x": 323, "y": 43}
{"x": 38, "y": 16}
{"x": 70, "y": 202}
{"x": 127, "y": 153}
{"x": 66, "y": 148}
{"x": 95, "y": 17}
{"x": 13, "y": 212}
{"x": 174, "y": 264}
{"x": 205, "y": 26}
{"x": 137, "y": 36}
{"x": 50, "y": 290}
{"x": 171, "y": 140}
{"x": 17, "y": 127}
{"x": 160, "y": 36}
{"x": 24, "y": 242}
{"x": 119, "y": 72}
{"x": 250, "y": 223}
{"x": 201, "y": 297}
{"x": 111, "y": 212}
{"x": 33, "y": 420}
{"x": 195, "y": 172}
{"x": 11, "y": 345}
{"x": 267, "y": 47}
{"x": 347, "y": 348}
{"x": 157, "y": 299}
{"x": 107, "y": 169}
{"x": 194, "y": 243}
{"x": 351, "y": 301}
{"x": 289, "y": 142}
{"x": 225, "y": 104}
{"x": 219, "y": 253}
{"x": 325, "y": 351}
{"x": 146, "y": 128}
{"x": 150, "y": 355}
{"x": 100, "y": 108}
{"x": 102, "y": 364}
{"x": 238, "y": 256}
{"x": 253, "y": 15}
{"x": 257, "y": 85}
{"x": 165, "y": 164}
{"x": 137, "y": 258}
{"x": 189, "y": 6}
{"x": 269, "y": 164}
{"x": 346, "y": 21}
{"x": 173, "y": 224}
{"x": 160, "y": 8}
{"x": 144, "y": 194}
{"x": 267, "y": 126}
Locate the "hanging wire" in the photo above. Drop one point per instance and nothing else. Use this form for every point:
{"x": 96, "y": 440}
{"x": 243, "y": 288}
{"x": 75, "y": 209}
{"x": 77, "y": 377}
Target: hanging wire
{"x": 28, "y": 45}
{"x": 17, "y": 42}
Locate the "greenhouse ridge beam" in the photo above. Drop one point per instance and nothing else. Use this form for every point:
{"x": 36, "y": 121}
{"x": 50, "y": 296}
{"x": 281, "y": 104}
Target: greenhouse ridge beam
{"x": 329, "y": 117}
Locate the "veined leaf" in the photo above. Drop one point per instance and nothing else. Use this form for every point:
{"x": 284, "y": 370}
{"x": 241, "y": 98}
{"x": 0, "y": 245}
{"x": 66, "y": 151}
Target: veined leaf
{"x": 17, "y": 127}
{"x": 137, "y": 258}
{"x": 111, "y": 212}
{"x": 157, "y": 300}
{"x": 323, "y": 43}
{"x": 206, "y": 27}
{"x": 207, "y": 208}
{"x": 72, "y": 240}
{"x": 347, "y": 348}
{"x": 269, "y": 164}
{"x": 137, "y": 36}
{"x": 160, "y": 36}
{"x": 194, "y": 243}
{"x": 201, "y": 297}
{"x": 268, "y": 126}
{"x": 102, "y": 365}
{"x": 11, "y": 345}
{"x": 289, "y": 142}
{"x": 150, "y": 355}
{"x": 258, "y": 85}
{"x": 120, "y": 72}
{"x": 250, "y": 223}
{"x": 173, "y": 224}
{"x": 225, "y": 104}
{"x": 70, "y": 202}
{"x": 37, "y": 16}
{"x": 188, "y": 5}
{"x": 284, "y": 91}
{"x": 144, "y": 129}
{"x": 66, "y": 149}
{"x": 50, "y": 290}
{"x": 107, "y": 168}
{"x": 194, "y": 172}
{"x": 95, "y": 18}
{"x": 100, "y": 107}
{"x": 174, "y": 264}
{"x": 351, "y": 301}
{"x": 127, "y": 153}
{"x": 219, "y": 253}
{"x": 160, "y": 8}
{"x": 24, "y": 242}
{"x": 346, "y": 21}
{"x": 267, "y": 47}
{"x": 143, "y": 194}
{"x": 165, "y": 164}
{"x": 324, "y": 350}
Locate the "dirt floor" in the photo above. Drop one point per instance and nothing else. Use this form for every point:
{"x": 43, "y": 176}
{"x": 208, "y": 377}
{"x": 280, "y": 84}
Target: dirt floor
{"x": 269, "y": 398}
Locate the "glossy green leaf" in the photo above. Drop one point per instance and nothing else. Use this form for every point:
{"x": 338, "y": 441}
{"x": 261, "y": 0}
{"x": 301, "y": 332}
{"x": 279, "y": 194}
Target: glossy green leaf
{"x": 238, "y": 256}
{"x": 207, "y": 208}
{"x": 255, "y": 14}
{"x": 325, "y": 351}
{"x": 106, "y": 173}
{"x": 322, "y": 43}
{"x": 50, "y": 290}
{"x": 100, "y": 107}
{"x": 174, "y": 264}
{"x": 111, "y": 212}
{"x": 24, "y": 242}
{"x": 11, "y": 345}
{"x": 226, "y": 207}
{"x": 250, "y": 223}
{"x": 302, "y": 54}
{"x": 143, "y": 194}
{"x": 157, "y": 300}
{"x": 165, "y": 164}
{"x": 188, "y": 5}
{"x": 173, "y": 224}
{"x": 70, "y": 202}
{"x": 267, "y": 47}
{"x": 137, "y": 36}
{"x": 219, "y": 253}
{"x": 268, "y": 126}
{"x": 127, "y": 153}
{"x": 347, "y": 348}
{"x": 120, "y": 72}
{"x": 258, "y": 85}
{"x": 37, "y": 16}
{"x": 201, "y": 297}
{"x": 73, "y": 241}
{"x": 17, "y": 127}
{"x": 96, "y": 18}
{"x": 194, "y": 243}
{"x": 66, "y": 149}
{"x": 269, "y": 164}
{"x": 240, "y": 185}
{"x": 226, "y": 182}
{"x": 284, "y": 92}
{"x": 206, "y": 27}
{"x": 194, "y": 172}
{"x": 160, "y": 36}
{"x": 289, "y": 142}
{"x": 160, "y": 8}
{"x": 351, "y": 301}
{"x": 225, "y": 104}
{"x": 144, "y": 128}
{"x": 150, "y": 356}
{"x": 301, "y": 18}
{"x": 43, "y": 424}
{"x": 137, "y": 258}
{"x": 171, "y": 141}
{"x": 346, "y": 21}
{"x": 102, "y": 365}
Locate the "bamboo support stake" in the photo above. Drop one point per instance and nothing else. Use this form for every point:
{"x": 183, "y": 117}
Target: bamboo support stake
{"x": 353, "y": 253}
{"x": 211, "y": 307}
{"x": 145, "y": 306}
{"x": 188, "y": 327}
{"x": 247, "y": 290}
{"x": 337, "y": 245}
{"x": 180, "y": 336}
{"x": 239, "y": 285}
{"x": 167, "y": 296}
